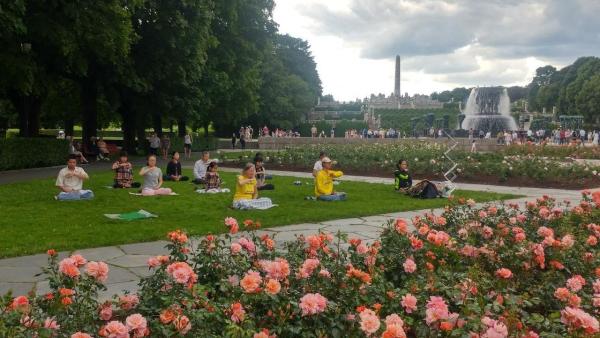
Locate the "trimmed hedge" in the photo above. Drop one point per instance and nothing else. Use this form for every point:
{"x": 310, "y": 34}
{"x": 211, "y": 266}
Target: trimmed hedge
{"x": 20, "y": 153}
{"x": 199, "y": 143}
{"x": 340, "y": 127}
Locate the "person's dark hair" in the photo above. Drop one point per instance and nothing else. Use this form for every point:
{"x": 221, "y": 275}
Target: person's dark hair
{"x": 211, "y": 165}
{"x": 123, "y": 153}
{"x": 148, "y": 158}
{"x": 400, "y": 162}
{"x": 322, "y": 153}
{"x": 205, "y": 152}
{"x": 72, "y": 157}
{"x": 173, "y": 153}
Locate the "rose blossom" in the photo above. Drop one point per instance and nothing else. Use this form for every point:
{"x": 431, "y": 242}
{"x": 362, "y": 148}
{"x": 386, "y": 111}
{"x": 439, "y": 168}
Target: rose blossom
{"x": 437, "y": 309}
{"x": 409, "y": 265}
{"x": 129, "y": 302}
{"x": 105, "y": 312}
{"x": 116, "y": 329}
{"x": 232, "y": 224}
{"x": 575, "y": 283}
{"x": 20, "y": 303}
{"x": 577, "y": 318}
{"x": 394, "y": 319}
{"x": 369, "y": 322}
{"x": 308, "y": 266}
{"x": 182, "y": 273}
{"x": 409, "y": 302}
{"x": 251, "y": 282}
{"x": 98, "y": 270}
{"x": 504, "y": 273}
{"x": 137, "y": 323}
{"x": 273, "y": 287}
{"x": 182, "y": 324}
{"x": 68, "y": 267}
{"x": 279, "y": 269}
{"x": 80, "y": 335}
{"x": 237, "y": 312}
{"x": 235, "y": 248}
{"x": 312, "y": 303}
{"x": 51, "y": 324}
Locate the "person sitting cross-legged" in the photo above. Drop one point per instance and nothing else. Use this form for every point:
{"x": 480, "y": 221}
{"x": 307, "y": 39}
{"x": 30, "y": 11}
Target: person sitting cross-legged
{"x": 212, "y": 181}
{"x": 174, "y": 169}
{"x": 153, "y": 179}
{"x": 124, "y": 173}
{"x": 261, "y": 175}
{"x": 70, "y": 182}
{"x": 324, "y": 182}
{"x": 246, "y": 193}
{"x": 402, "y": 178}
{"x": 200, "y": 168}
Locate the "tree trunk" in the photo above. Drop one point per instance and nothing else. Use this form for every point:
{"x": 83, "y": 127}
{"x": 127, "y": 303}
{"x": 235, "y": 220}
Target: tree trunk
{"x": 181, "y": 128}
{"x": 69, "y": 126}
{"x": 33, "y": 116}
{"x": 128, "y": 126}
{"x": 140, "y": 129}
{"x": 206, "y": 125}
{"x": 157, "y": 124}
{"x": 89, "y": 105}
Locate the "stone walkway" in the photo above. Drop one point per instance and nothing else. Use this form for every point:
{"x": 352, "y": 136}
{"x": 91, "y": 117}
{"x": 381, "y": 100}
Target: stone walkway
{"x": 128, "y": 262}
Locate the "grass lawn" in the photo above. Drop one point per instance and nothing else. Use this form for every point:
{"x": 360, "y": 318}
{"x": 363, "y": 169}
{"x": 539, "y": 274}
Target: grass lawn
{"x": 32, "y": 221}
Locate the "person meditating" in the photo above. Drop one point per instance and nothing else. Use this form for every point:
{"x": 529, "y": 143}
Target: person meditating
{"x": 200, "y": 168}
{"x": 153, "y": 179}
{"x": 124, "y": 173}
{"x": 246, "y": 193}
{"x": 174, "y": 169}
{"x": 402, "y": 178}
{"x": 261, "y": 174}
{"x": 212, "y": 181}
{"x": 70, "y": 182}
{"x": 424, "y": 189}
{"x": 324, "y": 182}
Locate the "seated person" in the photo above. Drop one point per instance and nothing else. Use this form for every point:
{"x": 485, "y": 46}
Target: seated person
{"x": 153, "y": 179}
{"x": 174, "y": 169}
{"x": 246, "y": 194}
{"x": 70, "y": 182}
{"x": 404, "y": 184}
{"x": 402, "y": 178}
{"x": 93, "y": 148}
{"x": 200, "y": 168}
{"x": 324, "y": 183}
{"x": 212, "y": 181}
{"x": 261, "y": 175}
{"x": 124, "y": 173}
{"x": 74, "y": 151}
{"x": 103, "y": 152}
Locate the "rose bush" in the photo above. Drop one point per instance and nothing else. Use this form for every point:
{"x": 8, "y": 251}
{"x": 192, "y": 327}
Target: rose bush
{"x": 491, "y": 271}
{"x": 540, "y": 165}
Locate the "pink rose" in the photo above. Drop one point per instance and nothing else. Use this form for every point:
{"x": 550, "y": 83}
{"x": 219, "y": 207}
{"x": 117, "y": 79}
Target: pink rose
{"x": 312, "y": 303}
{"x": 409, "y": 302}
{"x": 409, "y": 265}
{"x": 98, "y": 270}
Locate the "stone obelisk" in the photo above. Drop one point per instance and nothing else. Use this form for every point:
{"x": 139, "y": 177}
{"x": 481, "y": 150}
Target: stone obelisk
{"x": 397, "y": 92}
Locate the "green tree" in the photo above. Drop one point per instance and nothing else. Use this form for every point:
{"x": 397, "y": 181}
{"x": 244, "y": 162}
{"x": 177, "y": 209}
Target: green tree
{"x": 588, "y": 100}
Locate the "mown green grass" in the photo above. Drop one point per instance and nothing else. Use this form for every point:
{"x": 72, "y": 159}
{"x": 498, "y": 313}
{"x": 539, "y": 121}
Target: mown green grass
{"x": 32, "y": 221}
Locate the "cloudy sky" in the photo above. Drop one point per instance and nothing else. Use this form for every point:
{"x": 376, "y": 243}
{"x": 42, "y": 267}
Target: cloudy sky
{"x": 443, "y": 43}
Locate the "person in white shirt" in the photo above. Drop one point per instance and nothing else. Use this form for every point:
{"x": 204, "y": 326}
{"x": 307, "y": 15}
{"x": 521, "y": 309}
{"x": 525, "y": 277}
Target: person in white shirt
{"x": 319, "y": 164}
{"x": 200, "y": 168}
{"x": 187, "y": 145}
{"x": 70, "y": 182}
{"x": 154, "y": 144}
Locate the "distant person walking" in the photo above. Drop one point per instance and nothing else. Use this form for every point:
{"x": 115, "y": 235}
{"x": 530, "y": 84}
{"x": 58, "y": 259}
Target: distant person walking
{"x": 166, "y": 146}
{"x": 187, "y": 145}
{"x": 313, "y": 131}
{"x": 154, "y": 144}
{"x": 233, "y": 141}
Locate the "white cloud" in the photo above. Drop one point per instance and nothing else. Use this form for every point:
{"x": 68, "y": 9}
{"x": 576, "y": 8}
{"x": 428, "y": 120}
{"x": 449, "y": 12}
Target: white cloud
{"x": 443, "y": 43}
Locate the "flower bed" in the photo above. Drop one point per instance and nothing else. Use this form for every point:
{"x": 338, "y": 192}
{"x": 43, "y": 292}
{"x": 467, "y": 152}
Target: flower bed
{"x": 510, "y": 167}
{"x": 471, "y": 271}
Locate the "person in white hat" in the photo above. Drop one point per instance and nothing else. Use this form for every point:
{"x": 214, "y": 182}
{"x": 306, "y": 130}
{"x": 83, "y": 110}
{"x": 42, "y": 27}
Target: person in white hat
{"x": 324, "y": 182}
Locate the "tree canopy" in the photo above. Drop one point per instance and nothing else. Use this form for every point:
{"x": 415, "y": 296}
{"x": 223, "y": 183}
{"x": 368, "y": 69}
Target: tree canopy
{"x": 150, "y": 63}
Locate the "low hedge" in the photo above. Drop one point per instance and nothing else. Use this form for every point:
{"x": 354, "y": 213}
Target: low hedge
{"x": 20, "y": 153}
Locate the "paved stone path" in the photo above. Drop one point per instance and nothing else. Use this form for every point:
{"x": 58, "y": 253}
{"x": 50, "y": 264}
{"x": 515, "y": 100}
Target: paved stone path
{"x": 128, "y": 262}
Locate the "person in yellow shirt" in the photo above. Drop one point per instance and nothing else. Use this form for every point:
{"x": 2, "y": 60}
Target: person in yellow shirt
{"x": 324, "y": 183}
{"x": 246, "y": 193}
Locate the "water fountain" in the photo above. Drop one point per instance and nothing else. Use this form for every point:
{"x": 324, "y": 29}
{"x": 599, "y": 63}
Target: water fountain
{"x": 488, "y": 109}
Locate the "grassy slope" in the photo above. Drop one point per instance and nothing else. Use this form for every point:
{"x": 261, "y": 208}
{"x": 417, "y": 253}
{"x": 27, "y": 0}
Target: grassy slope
{"x": 32, "y": 221}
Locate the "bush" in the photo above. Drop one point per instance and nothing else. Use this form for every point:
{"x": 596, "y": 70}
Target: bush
{"x": 340, "y": 127}
{"x": 470, "y": 272}
{"x": 20, "y": 153}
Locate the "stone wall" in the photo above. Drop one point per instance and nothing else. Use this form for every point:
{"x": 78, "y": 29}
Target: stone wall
{"x": 270, "y": 143}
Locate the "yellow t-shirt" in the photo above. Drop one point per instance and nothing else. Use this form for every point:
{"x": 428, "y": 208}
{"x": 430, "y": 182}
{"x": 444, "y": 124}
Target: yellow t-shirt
{"x": 244, "y": 191}
{"x": 324, "y": 181}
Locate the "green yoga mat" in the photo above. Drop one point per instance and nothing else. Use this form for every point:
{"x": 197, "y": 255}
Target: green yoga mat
{"x": 131, "y": 216}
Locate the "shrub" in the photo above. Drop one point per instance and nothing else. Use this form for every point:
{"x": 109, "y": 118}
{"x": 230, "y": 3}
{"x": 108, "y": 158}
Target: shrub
{"x": 469, "y": 272}
{"x": 20, "y": 153}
